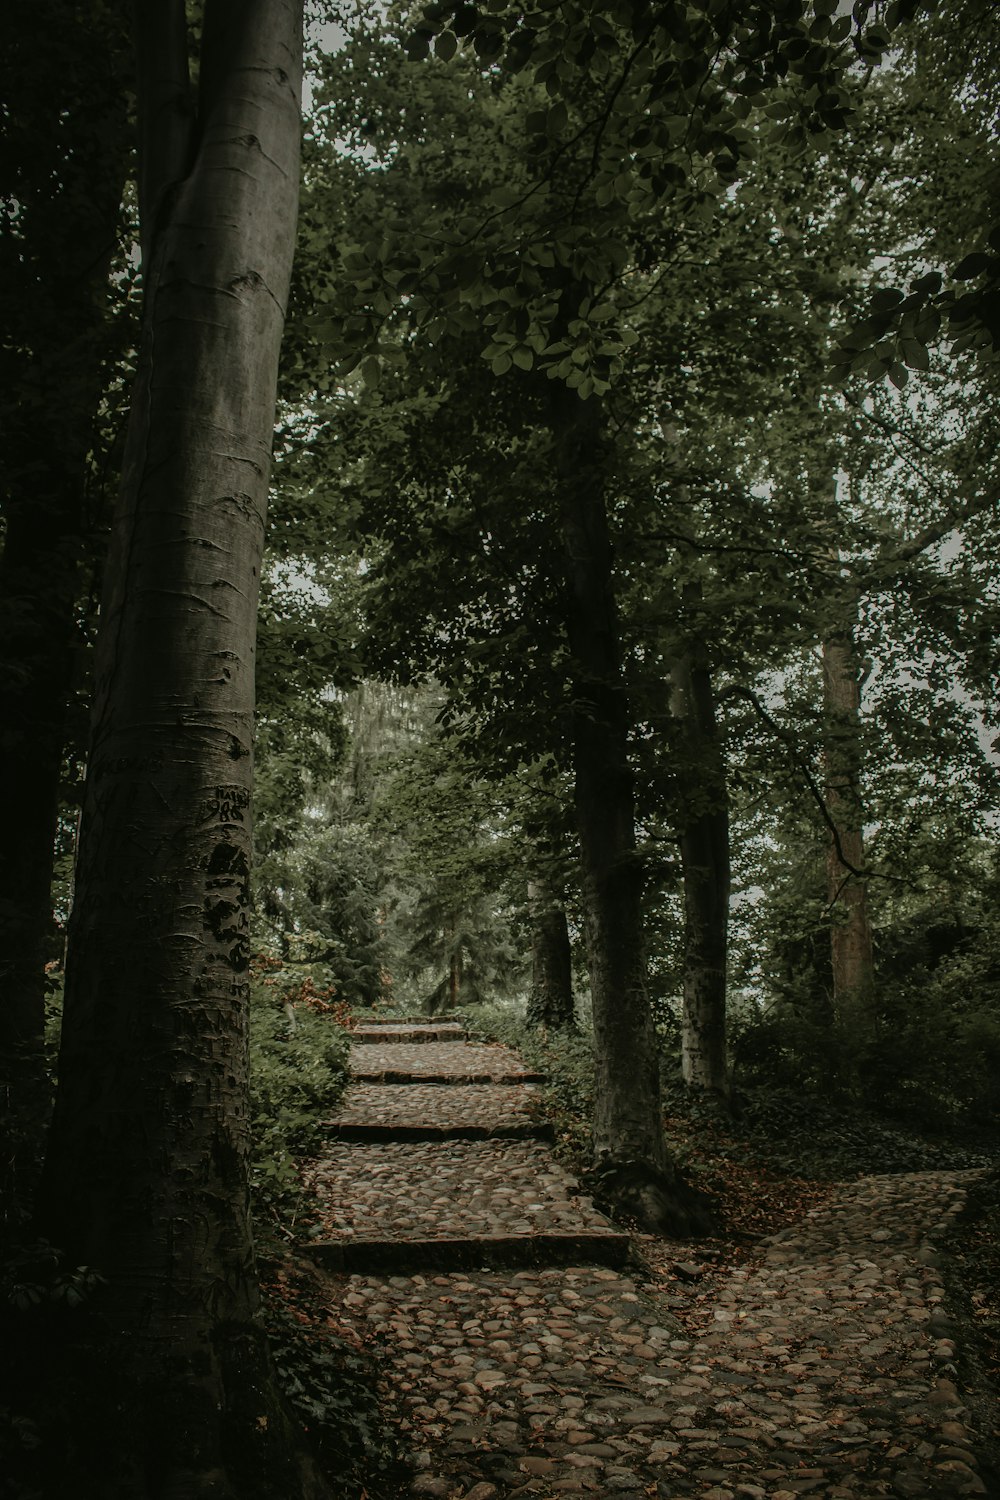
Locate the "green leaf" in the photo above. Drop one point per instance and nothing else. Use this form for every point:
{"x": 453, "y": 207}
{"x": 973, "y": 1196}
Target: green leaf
{"x": 466, "y": 20}
{"x": 971, "y": 265}
{"x": 446, "y": 45}
{"x": 915, "y": 355}
{"x": 371, "y": 371}
{"x": 523, "y": 358}
{"x": 931, "y": 283}
{"x": 488, "y": 42}
{"x": 506, "y": 195}
{"x": 418, "y": 46}
{"x": 927, "y": 325}
{"x": 876, "y": 38}
{"x": 898, "y": 374}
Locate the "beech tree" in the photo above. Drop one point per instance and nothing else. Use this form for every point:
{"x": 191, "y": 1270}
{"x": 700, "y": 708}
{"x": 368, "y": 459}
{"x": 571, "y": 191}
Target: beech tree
{"x": 146, "y": 1171}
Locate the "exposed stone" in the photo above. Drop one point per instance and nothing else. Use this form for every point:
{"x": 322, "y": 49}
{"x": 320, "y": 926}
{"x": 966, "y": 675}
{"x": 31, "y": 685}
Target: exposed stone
{"x": 432, "y": 1486}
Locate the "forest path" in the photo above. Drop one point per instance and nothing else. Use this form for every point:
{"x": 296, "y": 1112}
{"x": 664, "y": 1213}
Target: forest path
{"x": 823, "y": 1367}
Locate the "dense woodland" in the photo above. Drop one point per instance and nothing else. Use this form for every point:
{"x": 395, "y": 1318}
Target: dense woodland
{"x": 626, "y": 648}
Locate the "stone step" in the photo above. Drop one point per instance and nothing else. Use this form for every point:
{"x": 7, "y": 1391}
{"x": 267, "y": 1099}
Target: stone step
{"x": 485, "y": 1191}
{"x": 452, "y": 1019}
{"x": 384, "y": 1033}
{"x": 431, "y": 1111}
{"x": 406, "y": 1062}
{"x": 471, "y": 1252}
{"x": 408, "y": 1075}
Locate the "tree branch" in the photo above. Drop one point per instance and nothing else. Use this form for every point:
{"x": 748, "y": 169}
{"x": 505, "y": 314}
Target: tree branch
{"x": 807, "y": 775}
{"x": 166, "y": 118}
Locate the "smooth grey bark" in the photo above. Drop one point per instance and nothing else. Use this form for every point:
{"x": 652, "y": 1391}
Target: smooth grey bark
{"x": 634, "y": 1172}
{"x": 550, "y": 1002}
{"x": 146, "y": 1173}
{"x": 703, "y": 836}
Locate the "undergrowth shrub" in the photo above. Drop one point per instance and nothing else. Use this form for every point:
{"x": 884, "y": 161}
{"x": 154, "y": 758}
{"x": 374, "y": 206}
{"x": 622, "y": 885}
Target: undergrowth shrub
{"x": 333, "y": 1388}
{"x": 565, "y": 1057}
{"x": 299, "y": 1050}
{"x": 298, "y": 1072}
{"x": 931, "y": 1064}
{"x": 777, "y": 1124}
{"x": 937, "y": 1055}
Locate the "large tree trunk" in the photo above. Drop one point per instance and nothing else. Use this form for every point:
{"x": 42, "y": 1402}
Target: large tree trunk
{"x": 704, "y": 848}
{"x": 550, "y": 1002}
{"x": 850, "y": 933}
{"x": 146, "y": 1175}
{"x": 634, "y": 1172}
{"x": 72, "y": 127}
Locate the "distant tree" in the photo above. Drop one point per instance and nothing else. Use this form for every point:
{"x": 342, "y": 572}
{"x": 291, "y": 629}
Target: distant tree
{"x": 550, "y": 999}
{"x": 450, "y": 907}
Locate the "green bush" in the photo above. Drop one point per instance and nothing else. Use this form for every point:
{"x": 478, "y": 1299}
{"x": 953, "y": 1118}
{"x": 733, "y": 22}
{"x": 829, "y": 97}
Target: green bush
{"x": 298, "y": 1072}
{"x": 567, "y": 1060}
{"x": 333, "y": 1388}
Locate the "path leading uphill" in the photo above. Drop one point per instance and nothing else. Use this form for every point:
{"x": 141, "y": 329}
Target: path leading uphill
{"x": 523, "y": 1358}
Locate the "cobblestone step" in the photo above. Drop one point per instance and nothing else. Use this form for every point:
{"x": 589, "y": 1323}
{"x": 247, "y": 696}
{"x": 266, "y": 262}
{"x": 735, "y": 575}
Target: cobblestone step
{"x": 444, "y": 1062}
{"x": 345, "y": 1130}
{"x": 385, "y": 1032}
{"x": 415, "y": 1191}
{"x": 825, "y": 1368}
{"x": 453, "y": 1018}
{"x": 452, "y": 1109}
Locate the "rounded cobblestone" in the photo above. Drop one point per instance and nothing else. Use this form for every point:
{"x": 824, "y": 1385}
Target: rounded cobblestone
{"x": 473, "y": 1105}
{"x": 458, "y": 1060}
{"x": 825, "y": 1367}
{"x": 428, "y": 1189}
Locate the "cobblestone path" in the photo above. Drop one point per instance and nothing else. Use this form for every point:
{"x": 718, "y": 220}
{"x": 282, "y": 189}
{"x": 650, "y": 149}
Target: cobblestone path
{"x": 522, "y": 1358}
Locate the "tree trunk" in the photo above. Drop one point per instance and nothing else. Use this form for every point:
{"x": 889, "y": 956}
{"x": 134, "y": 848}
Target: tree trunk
{"x": 550, "y": 1002}
{"x": 146, "y": 1175}
{"x": 75, "y": 134}
{"x": 704, "y": 849}
{"x": 850, "y": 934}
{"x": 632, "y": 1166}
{"x": 454, "y": 977}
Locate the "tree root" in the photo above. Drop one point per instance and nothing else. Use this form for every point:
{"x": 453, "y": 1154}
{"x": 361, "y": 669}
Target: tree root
{"x": 659, "y": 1200}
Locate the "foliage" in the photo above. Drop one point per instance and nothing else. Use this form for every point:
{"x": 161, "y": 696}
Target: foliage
{"x": 623, "y": 124}
{"x": 778, "y": 1127}
{"x": 930, "y": 1063}
{"x": 332, "y": 1386}
{"x": 328, "y": 888}
{"x": 298, "y": 1071}
{"x": 567, "y": 1060}
{"x": 35, "y": 1274}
